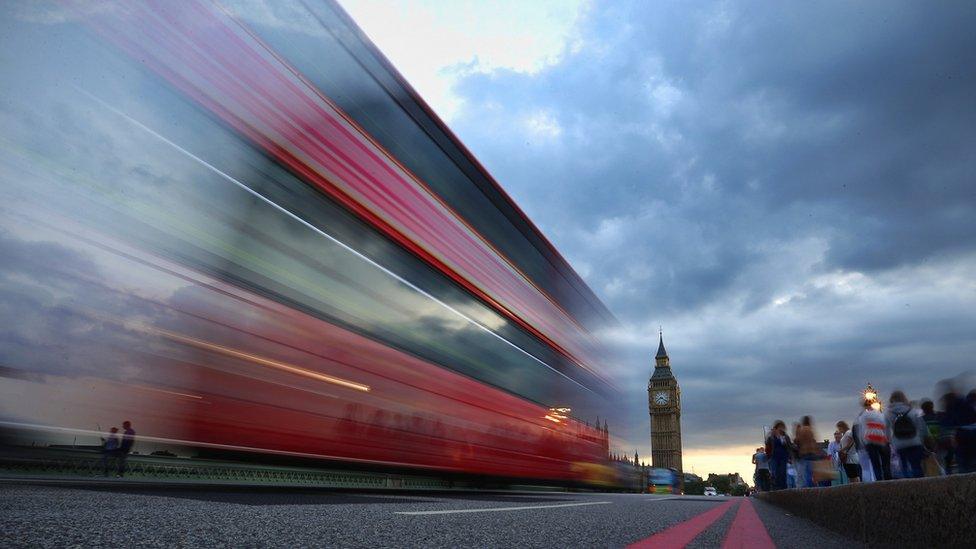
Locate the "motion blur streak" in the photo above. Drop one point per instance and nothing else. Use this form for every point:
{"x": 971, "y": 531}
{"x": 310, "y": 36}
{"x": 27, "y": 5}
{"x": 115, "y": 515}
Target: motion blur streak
{"x": 317, "y": 230}
{"x": 164, "y": 391}
{"x": 250, "y": 238}
{"x": 200, "y": 49}
{"x": 262, "y": 361}
{"x": 172, "y": 442}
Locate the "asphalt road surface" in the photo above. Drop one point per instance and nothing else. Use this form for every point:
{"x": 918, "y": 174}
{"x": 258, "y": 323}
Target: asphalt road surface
{"x": 120, "y": 515}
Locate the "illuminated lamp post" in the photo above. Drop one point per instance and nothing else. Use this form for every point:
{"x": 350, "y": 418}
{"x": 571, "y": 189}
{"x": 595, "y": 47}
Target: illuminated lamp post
{"x": 871, "y": 395}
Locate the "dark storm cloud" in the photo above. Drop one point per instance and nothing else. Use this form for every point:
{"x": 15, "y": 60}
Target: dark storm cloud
{"x": 789, "y": 188}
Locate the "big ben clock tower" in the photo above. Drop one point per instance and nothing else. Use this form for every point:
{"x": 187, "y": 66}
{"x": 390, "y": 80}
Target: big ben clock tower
{"x": 664, "y": 402}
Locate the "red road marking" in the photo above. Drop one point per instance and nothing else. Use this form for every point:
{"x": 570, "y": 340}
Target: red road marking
{"x": 682, "y": 533}
{"x": 747, "y": 530}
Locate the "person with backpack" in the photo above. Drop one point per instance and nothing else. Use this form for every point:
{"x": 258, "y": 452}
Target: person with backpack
{"x": 873, "y": 432}
{"x": 907, "y": 432}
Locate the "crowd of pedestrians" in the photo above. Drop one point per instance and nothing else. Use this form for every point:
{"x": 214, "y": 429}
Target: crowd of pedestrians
{"x": 905, "y": 440}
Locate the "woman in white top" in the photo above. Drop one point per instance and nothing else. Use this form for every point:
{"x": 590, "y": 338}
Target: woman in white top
{"x": 847, "y": 453}
{"x": 833, "y": 450}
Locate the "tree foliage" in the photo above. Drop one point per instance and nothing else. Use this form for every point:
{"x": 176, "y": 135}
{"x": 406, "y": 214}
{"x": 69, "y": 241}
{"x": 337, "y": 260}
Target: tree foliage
{"x": 695, "y": 488}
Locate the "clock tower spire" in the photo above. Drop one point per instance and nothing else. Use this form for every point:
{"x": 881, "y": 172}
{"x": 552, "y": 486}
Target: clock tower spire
{"x": 661, "y": 359}
{"x": 664, "y": 404}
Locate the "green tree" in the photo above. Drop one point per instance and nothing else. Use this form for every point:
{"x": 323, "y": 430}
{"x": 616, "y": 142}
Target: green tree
{"x": 721, "y": 483}
{"x": 694, "y": 488}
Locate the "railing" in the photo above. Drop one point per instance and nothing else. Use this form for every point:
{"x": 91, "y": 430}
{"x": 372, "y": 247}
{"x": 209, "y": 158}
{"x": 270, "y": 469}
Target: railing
{"x": 79, "y": 464}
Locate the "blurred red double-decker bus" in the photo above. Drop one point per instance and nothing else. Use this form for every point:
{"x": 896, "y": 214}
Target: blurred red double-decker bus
{"x": 243, "y": 231}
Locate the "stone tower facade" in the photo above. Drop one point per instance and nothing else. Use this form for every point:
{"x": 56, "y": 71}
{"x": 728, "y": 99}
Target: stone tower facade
{"x": 664, "y": 403}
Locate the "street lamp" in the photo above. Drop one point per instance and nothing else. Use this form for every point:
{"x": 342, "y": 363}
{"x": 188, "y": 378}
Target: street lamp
{"x": 871, "y": 395}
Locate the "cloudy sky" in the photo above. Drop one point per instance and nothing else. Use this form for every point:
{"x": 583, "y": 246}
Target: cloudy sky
{"x": 788, "y": 188}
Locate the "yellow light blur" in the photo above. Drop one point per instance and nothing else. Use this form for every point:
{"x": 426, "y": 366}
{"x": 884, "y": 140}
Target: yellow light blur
{"x": 558, "y": 414}
{"x": 870, "y": 396}
{"x": 262, "y": 360}
{"x": 158, "y": 390}
{"x": 227, "y": 351}
{"x": 876, "y": 405}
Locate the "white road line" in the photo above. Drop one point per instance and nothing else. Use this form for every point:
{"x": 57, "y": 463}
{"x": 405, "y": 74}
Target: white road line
{"x": 489, "y": 509}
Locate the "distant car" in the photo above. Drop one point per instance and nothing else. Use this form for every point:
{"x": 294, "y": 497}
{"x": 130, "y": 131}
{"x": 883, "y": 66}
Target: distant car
{"x": 709, "y": 491}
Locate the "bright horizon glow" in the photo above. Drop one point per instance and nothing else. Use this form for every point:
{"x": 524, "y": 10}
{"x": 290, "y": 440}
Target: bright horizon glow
{"x": 720, "y": 460}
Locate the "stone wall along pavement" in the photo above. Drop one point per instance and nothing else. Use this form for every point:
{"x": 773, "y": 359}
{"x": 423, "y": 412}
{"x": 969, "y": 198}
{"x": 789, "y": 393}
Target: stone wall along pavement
{"x": 927, "y": 512}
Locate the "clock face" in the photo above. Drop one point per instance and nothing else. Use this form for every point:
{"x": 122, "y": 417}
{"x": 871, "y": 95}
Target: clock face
{"x": 661, "y": 398}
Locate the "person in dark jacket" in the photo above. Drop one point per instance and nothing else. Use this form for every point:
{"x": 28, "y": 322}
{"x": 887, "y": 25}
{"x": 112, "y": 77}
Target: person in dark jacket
{"x": 778, "y": 445}
{"x": 931, "y": 418}
{"x": 948, "y": 424}
{"x": 966, "y": 434}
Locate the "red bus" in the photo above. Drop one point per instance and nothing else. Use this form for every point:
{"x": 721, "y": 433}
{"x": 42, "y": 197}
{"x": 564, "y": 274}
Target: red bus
{"x": 244, "y": 231}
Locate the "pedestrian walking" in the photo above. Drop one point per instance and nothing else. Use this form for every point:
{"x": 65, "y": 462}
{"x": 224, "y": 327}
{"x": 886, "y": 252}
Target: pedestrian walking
{"x": 809, "y": 452}
{"x": 777, "y": 450}
{"x": 932, "y": 464}
{"x": 125, "y": 446}
{"x": 847, "y": 453}
{"x": 907, "y": 432}
{"x": 110, "y": 448}
{"x": 931, "y": 418}
{"x": 761, "y": 477}
{"x": 867, "y": 471}
{"x": 873, "y": 430}
{"x": 966, "y": 434}
{"x": 952, "y": 410}
{"x": 833, "y": 453}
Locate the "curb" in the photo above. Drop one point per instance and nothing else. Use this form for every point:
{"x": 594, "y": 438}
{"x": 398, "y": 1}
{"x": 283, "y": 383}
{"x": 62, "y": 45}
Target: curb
{"x": 925, "y": 512}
